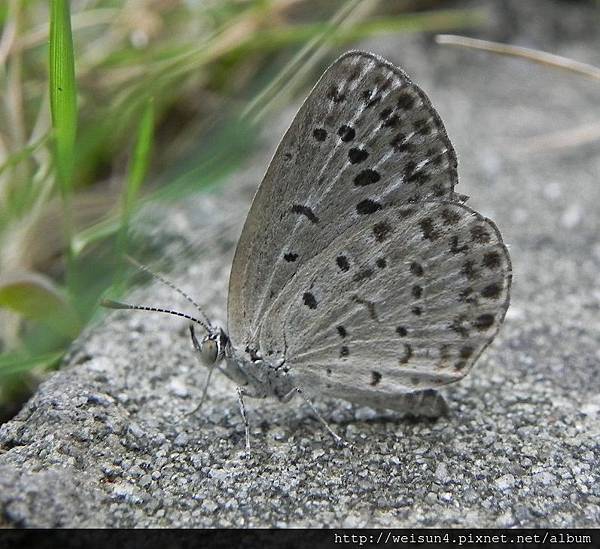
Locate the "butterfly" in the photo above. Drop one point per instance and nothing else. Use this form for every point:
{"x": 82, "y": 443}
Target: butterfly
{"x": 359, "y": 274}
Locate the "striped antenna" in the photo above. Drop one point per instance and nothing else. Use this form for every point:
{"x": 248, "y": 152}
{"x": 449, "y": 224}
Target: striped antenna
{"x": 110, "y": 304}
{"x": 171, "y": 285}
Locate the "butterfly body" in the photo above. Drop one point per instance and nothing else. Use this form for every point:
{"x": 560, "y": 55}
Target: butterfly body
{"x": 259, "y": 378}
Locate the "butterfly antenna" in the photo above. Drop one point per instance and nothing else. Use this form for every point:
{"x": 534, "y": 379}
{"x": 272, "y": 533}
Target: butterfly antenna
{"x": 171, "y": 285}
{"x": 110, "y": 304}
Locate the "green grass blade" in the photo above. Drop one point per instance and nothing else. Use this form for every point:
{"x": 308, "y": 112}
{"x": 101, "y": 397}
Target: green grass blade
{"x": 63, "y": 92}
{"x": 99, "y": 231}
{"x": 202, "y": 168}
{"x": 18, "y": 156}
{"x": 63, "y": 107}
{"x": 302, "y": 60}
{"x": 221, "y": 154}
{"x": 337, "y": 32}
{"x": 36, "y": 298}
{"x": 137, "y": 172}
{"x": 140, "y": 159}
{"x": 11, "y": 364}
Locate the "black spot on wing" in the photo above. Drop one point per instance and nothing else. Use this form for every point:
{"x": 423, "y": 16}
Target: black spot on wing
{"x": 346, "y": 133}
{"x": 309, "y": 300}
{"x": 401, "y": 331}
{"x": 363, "y": 274}
{"x": 466, "y": 351}
{"x": 342, "y": 263}
{"x": 416, "y": 268}
{"x": 492, "y": 291}
{"x": 366, "y": 177}
{"x": 375, "y": 378}
{"x": 320, "y": 134}
{"x": 382, "y": 231}
{"x": 491, "y": 260}
{"x": 455, "y": 248}
{"x": 306, "y": 211}
{"x": 406, "y": 100}
{"x": 368, "y": 206}
{"x": 357, "y": 155}
{"x": 484, "y": 321}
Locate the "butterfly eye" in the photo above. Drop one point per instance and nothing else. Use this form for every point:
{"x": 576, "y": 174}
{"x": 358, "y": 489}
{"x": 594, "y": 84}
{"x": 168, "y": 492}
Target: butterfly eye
{"x": 210, "y": 351}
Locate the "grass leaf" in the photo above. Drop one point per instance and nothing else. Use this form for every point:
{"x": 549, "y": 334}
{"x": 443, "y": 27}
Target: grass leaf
{"x": 337, "y": 32}
{"x": 36, "y": 298}
{"x": 137, "y": 172}
{"x": 63, "y": 92}
{"x": 103, "y": 229}
{"x": 11, "y": 160}
{"x": 11, "y": 364}
{"x": 140, "y": 160}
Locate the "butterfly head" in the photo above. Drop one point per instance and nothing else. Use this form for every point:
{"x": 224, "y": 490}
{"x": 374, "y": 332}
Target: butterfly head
{"x": 212, "y": 347}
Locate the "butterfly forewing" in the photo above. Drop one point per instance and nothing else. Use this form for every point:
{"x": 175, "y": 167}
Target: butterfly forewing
{"x": 406, "y": 301}
{"x": 365, "y": 140}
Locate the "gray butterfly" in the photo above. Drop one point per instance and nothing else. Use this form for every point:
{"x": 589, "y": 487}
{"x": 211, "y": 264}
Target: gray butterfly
{"x": 360, "y": 274}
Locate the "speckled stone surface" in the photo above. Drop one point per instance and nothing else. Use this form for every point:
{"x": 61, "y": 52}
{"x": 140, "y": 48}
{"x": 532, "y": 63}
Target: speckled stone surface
{"x": 107, "y": 442}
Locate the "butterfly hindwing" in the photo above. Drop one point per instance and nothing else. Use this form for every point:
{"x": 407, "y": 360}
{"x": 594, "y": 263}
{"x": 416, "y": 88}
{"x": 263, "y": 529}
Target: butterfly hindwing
{"x": 366, "y": 139}
{"x": 404, "y": 302}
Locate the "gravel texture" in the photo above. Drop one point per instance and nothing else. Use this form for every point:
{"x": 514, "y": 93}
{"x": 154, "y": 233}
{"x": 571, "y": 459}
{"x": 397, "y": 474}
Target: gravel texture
{"x": 107, "y": 442}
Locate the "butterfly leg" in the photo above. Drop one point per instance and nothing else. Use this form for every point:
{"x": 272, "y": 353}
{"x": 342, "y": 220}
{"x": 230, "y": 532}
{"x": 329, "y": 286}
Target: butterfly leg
{"x": 195, "y": 341}
{"x": 241, "y": 393}
{"x": 198, "y": 348}
{"x": 298, "y": 390}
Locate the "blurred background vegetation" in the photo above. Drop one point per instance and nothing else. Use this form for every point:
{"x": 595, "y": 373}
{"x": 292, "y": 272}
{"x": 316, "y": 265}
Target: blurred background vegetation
{"x": 106, "y": 105}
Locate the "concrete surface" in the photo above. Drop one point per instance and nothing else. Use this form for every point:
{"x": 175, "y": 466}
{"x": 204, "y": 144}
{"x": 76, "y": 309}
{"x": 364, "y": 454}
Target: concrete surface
{"x": 106, "y": 441}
